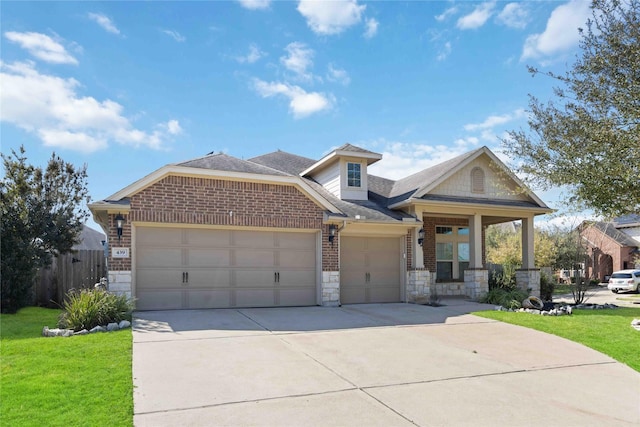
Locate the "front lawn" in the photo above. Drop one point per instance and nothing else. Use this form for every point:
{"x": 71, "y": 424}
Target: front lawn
{"x": 608, "y": 331}
{"x": 74, "y": 381}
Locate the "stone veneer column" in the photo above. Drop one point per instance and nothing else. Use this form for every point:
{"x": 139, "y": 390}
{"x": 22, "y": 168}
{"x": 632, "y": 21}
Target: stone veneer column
{"x": 418, "y": 287}
{"x": 476, "y": 282}
{"x": 120, "y": 282}
{"x": 529, "y": 278}
{"x": 331, "y": 288}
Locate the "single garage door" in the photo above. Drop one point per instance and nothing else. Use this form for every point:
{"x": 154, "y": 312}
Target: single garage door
{"x": 370, "y": 269}
{"x": 201, "y": 268}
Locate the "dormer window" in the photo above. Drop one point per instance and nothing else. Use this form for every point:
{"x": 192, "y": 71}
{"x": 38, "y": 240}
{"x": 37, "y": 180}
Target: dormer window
{"x": 354, "y": 177}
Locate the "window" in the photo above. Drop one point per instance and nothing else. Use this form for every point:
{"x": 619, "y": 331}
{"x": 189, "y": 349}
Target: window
{"x": 353, "y": 175}
{"x": 477, "y": 180}
{"x": 452, "y": 252}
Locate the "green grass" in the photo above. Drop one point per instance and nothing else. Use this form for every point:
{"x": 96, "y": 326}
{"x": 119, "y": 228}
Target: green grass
{"x": 74, "y": 381}
{"x": 608, "y": 331}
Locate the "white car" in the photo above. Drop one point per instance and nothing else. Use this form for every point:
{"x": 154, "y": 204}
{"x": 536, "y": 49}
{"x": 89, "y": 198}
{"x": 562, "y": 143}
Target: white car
{"x": 624, "y": 280}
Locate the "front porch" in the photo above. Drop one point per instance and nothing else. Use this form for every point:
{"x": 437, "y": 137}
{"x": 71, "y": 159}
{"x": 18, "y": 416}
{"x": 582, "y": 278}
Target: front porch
{"x": 451, "y": 259}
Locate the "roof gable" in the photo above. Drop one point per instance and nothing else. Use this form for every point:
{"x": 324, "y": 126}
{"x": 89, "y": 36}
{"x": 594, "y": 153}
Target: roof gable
{"x": 452, "y": 179}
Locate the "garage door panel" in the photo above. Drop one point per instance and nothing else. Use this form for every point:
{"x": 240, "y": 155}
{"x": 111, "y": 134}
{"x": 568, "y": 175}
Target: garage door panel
{"x": 296, "y": 259}
{"x": 210, "y": 278}
{"x": 159, "y": 300}
{"x": 157, "y": 278}
{"x": 353, "y": 295}
{"x": 253, "y": 239}
{"x": 158, "y": 236}
{"x": 296, "y": 240}
{"x": 208, "y": 298}
{"x": 255, "y": 278}
{"x": 158, "y": 257}
{"x": 349, "y": 244}
{"x": 297, "y": 278}
{"x": 254, "y": 258}
{"x": 208, "y": 238}
{"x": 303, "y": 296}
{"x": 209, "y": 257}
{"x": 255, "y": 298}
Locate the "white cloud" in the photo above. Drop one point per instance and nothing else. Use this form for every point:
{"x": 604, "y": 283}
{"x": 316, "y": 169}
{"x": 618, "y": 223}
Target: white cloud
{"x": 514, "y": 15}
{"x": 371, "y": 28}
{"x": 254, "y": 55}
{"x": 330, "y": 17}
{"x": 255, "y": 4}
{"x": 561, "y": 33}
{"x": 401, "y": 159}
{"x": 338, "y": 75}
{"x": 175, "y": 35}
{"x": 173, "y": 127}
{"x": 299, "y": 59}
{"x": 478, "y": 17}
{"x": 104, "y": 22}
{"x": 447, "y": 13}
{"x": 51, "y": 108}
{"x": 493, "y": 121}
{"x": 42, "y": 47}
{"x": 301, "y": 103}
{"x": 444, "y": 52}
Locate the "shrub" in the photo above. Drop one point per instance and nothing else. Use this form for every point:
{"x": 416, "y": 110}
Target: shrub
{"x": 505, "y": 279}
{"x": 508, "y": 298}
{"x": 546, "y": 288}
{"x": 88, "y": 308}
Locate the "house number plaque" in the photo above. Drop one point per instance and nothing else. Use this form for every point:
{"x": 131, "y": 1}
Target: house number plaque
{"x": 120, "y": 252}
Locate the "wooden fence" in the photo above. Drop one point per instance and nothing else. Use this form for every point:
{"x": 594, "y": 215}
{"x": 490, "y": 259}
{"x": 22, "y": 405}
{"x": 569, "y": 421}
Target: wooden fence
{"x": 82, "y": 269}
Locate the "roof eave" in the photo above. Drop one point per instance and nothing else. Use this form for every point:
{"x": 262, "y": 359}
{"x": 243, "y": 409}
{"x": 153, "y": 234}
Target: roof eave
{"x": 536, "y": 210}
{"x": 336, "y": 154}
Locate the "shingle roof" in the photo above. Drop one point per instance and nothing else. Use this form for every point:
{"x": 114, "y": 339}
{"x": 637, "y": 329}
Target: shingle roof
{"x": 285, "y": 162}
{"x": 629, "y": 220}
{"x": 610, "y": 230}
{"x": 90, "y": 239}
{"x": 353, "y": 148}
{"x": 224, "y": 162}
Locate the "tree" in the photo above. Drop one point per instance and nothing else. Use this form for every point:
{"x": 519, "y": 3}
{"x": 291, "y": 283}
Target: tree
{"x": 41, "y": 216}
{"x": 588, "y": 139}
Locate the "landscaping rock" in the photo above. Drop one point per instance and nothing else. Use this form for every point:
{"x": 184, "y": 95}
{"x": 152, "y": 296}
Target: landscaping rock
{"x": 124, "y": 324}
{"x": 82, "y": 332}
{"x": 112, "y": 327}
{"x": 97, "y": 329}
{"x": 46, "y": 332}
{"x": 635, "y": 324}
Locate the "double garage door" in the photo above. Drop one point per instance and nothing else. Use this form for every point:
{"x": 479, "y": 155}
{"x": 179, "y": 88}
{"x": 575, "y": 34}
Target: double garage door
{"x": 370, "y": 269}
{"x": 200, "y": 268}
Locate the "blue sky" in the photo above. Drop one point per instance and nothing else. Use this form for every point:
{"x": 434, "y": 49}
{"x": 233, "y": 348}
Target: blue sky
{"x": 127, "y": 87}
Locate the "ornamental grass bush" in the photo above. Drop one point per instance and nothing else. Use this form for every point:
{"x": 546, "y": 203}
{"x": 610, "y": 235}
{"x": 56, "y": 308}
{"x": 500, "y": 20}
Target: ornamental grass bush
{"x": 507, "y": 298}
{"x": 87, "y": 308}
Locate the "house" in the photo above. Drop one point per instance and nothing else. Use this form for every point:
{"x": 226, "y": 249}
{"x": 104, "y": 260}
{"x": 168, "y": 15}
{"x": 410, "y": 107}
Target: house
{"x": 611, "y": 246}
{"x": 285, "y": 230}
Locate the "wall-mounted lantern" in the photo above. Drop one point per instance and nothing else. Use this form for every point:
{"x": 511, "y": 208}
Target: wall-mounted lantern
{"x": 119, "y": 223}
{"x": 421, "y": 236}
{"x": 333, "y": 229}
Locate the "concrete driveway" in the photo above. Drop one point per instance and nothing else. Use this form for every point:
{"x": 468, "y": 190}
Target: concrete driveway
{"x": 369, "y": 365}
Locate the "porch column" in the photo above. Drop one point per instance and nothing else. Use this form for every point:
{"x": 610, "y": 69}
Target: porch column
{"x": 528, "y": 254}
{"x": 475, "y": 241}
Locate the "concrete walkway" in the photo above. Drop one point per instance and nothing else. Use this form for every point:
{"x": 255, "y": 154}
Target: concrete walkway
{"x": 369, "y": 365}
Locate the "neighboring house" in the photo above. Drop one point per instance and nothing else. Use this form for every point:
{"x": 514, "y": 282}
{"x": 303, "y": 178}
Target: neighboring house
{"x": 283, "y": 230}
{"x": 612, "y": 246}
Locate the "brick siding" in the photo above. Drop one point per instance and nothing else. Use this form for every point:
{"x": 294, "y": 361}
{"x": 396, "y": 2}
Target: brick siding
{"x": 206, "y": 201}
